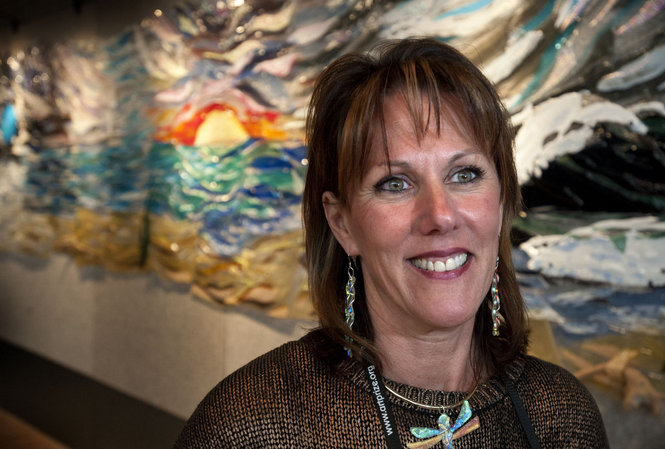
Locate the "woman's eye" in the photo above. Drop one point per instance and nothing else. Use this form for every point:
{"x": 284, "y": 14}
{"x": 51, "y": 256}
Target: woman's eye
{"x": 393, "y": 185}
{"x": 465, "y": 175}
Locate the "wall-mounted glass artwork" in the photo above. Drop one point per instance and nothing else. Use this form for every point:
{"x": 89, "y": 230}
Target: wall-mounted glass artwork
{"x": 178, "y": 147}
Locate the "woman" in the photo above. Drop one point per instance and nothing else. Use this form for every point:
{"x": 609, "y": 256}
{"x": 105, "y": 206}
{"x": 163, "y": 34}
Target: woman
{"x": 408, "y": 204}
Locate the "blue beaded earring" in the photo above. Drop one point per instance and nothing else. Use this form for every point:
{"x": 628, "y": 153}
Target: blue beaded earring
{"x": 349, "y": 314}
{"x": 496, "y": 302}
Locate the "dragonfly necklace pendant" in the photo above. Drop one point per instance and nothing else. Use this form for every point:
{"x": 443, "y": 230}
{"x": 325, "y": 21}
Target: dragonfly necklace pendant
{"x": 446, "y": 433}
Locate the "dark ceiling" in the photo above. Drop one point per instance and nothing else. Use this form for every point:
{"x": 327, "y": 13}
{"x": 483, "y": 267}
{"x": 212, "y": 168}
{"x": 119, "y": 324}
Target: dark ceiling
{"x": 15, "y": 13}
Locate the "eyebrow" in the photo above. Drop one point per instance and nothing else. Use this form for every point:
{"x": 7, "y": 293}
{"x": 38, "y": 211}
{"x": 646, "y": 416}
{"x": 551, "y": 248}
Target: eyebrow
{"x": 459, "y": 155}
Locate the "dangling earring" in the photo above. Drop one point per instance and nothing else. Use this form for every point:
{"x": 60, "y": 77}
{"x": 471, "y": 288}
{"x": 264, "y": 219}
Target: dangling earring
{"x": 349, "y": 314}
{"x": 496, "y": 302}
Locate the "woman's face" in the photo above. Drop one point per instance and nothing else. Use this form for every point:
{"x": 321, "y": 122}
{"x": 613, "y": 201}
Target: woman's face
{"x": 427, "y": 231}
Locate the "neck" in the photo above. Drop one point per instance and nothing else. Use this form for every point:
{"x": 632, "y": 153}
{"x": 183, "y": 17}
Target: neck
{"x": 435, "y": 361}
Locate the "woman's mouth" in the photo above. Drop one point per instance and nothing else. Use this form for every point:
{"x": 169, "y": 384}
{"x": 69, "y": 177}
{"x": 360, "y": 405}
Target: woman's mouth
{"x": 440, "y": 265}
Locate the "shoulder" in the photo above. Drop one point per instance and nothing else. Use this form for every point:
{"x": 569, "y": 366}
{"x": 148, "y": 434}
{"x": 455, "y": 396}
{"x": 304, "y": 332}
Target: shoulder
{"x": 291, "y": 364}
{"x": 281, "y": 362}
{"x": 551, "y": 378}
{"x": 552, "y": 385}
{"x": 249, "y": 401}
{"x": 559, "y": 404}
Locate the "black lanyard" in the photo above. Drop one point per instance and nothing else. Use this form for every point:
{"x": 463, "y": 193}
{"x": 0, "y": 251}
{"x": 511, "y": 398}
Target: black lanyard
{"x": 383, "y": 408}
{"x": 521, "y": 413}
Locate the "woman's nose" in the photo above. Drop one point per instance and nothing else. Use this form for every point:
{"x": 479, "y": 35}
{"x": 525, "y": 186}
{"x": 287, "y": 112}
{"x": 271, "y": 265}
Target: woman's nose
{"x": 436, "y": 210}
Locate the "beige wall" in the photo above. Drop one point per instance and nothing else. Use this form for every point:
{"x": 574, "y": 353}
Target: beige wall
{"x": 134, "y": 332}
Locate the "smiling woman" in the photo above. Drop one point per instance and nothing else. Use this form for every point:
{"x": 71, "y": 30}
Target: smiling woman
{"x": 410, "y": 195}
{"x": 429, "y": 268}
{"x": 422, "y": 111}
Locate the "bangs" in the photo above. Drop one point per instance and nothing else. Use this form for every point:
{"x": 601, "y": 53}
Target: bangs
{"x": 429, "y": 93}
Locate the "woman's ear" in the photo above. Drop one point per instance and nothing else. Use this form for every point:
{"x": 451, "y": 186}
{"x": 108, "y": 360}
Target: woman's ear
{"x": 338, "y": 220}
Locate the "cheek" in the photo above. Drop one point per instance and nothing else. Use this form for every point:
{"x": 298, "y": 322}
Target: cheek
{"x": 377, "y": 229}
{"x": 485, "y": 215}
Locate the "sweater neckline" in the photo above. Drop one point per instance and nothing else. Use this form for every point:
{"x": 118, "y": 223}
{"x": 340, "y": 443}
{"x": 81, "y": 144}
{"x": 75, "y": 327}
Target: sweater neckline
{"x": 486, "y": 394}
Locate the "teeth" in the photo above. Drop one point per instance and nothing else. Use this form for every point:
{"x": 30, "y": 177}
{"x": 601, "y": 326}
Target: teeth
{"x": 440, "y": 266}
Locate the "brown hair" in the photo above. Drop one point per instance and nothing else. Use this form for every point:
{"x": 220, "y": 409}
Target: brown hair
{"x": 345, "y": 115}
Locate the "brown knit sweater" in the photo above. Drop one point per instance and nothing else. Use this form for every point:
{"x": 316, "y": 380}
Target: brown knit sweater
{"x": 291, "y": 398}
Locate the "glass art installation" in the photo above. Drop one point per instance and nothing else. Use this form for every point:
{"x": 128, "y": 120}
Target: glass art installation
{"x": 178, "y": 147}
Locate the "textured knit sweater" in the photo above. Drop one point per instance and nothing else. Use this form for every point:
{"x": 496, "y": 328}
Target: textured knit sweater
{"x": 291, "y": 398}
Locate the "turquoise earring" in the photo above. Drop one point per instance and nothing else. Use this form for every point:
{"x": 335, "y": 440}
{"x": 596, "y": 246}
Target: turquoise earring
{"x": 349, "y": 314}
{"x": 496, "y": 301}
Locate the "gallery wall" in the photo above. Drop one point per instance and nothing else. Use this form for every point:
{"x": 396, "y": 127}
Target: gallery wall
{"x": 139, "y": 334}
{"x": 142, "y": 334}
